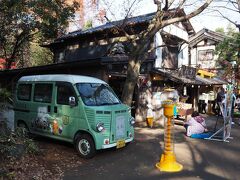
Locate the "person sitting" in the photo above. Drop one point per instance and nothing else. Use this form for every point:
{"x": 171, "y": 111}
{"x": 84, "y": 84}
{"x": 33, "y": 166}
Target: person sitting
{"x": 195, "y": 125}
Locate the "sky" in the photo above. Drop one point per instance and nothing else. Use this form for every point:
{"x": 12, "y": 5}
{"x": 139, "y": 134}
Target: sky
{"x": 209, "y": 19}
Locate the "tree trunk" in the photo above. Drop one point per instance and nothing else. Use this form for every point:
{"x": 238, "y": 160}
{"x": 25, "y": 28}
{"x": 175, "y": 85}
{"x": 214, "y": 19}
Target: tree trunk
{"x": 131, "y": 80}
{"x": 9, "y": 62}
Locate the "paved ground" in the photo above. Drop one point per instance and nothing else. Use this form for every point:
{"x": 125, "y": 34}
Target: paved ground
{"x": 201, "y": 159}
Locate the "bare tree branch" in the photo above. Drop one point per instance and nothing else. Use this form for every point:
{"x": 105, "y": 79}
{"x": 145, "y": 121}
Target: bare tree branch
{"x": 234, "y": 4}
{"x": 166, "y": 6}
{"x": 121, "y": 27}
{"x": 170, "y": 3}
{"x": 141, "y": 44}
{"x": 130, "y": 8}
{"x": 192, "y": 14}
{"x": 181, "y": 3}
{"x": 225, "y": 17}
{"x": 238, "y": 2}
{"x": 109, "y": 10}
{"x": 159, "y": 4}
{"x": 165, "y": 45}
{"x": 225, "y": 7}
{"x": 158, "y": 23}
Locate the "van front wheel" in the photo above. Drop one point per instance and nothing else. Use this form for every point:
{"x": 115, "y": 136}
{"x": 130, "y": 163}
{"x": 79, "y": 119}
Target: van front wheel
{"x": 85, "y": 146}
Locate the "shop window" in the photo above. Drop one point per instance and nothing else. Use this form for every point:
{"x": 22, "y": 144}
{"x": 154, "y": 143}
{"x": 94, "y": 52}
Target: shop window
{"x": 146, "y": 67}
{"x": 180, "y": 54}
{"x": 61, "y": 56}
{"x": 24, "y": 92}
{"x": 156, "y": 83}
{"x": 143, "y": 68}
{"x": 149, "y": 67}
{"x": 43, "y": 93}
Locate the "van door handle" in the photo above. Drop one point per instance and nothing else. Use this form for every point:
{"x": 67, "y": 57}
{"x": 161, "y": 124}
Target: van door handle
{"x": 49, "y": 108}
{"x": 55, "y": 109}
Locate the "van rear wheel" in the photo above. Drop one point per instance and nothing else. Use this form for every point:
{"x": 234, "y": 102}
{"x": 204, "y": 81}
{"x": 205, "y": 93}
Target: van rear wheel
{"x": 85, "y": 146}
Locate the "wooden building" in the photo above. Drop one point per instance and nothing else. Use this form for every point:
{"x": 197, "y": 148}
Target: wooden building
{"x": 108, "y": 44}
{"x": 202, "y": 46}
{"x": 102, "y": 52}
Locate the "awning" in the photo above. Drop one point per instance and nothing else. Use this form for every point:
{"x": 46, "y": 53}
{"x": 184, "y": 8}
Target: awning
{"x": 211, "y": 81}
{"x": 173, "y": 75}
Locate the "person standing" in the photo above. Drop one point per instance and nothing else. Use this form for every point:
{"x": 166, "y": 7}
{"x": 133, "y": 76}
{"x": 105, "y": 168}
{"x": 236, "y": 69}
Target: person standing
{"x": 234, "y": 97}
{"x": 220, "y": 98}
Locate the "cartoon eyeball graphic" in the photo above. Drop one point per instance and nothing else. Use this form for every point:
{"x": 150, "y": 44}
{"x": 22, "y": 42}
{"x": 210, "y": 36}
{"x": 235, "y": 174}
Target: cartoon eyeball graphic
{"x": 60, "y": 130}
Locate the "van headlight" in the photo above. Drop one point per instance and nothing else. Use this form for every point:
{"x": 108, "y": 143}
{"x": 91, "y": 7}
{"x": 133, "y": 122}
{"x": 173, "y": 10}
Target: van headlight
{"x": 132, "y": 121}
{"x": 100, "y": 127}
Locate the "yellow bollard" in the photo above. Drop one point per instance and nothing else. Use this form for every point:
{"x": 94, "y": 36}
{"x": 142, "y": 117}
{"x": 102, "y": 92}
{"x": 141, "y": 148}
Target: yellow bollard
{"x": 150, "y": 116}
{"x": 150, "y": 122}
{"x": 168, "y": 160}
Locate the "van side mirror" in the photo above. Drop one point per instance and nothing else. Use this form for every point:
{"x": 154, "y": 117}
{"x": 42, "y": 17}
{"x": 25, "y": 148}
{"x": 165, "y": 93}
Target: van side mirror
{"x": 72, "y": 101}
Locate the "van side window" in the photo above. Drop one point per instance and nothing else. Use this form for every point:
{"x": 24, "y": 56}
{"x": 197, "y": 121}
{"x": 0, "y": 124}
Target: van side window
{"x": 64, "y": 91}
{"x": 24, "y": 92}
{"x": 43, "y": 93}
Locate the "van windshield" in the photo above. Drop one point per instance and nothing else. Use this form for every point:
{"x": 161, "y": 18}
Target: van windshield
{"x": 95, "y": 94}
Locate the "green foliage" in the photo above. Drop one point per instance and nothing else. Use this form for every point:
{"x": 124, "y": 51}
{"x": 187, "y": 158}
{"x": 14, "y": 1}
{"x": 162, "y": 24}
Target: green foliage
{"x": 88, "y": 25}
{"x": 21, "y": 20}
{"x": 220, "y": 30}
{"x": 39, "y": 55}
{"x": 227, "y": 50}
{"x": 10, "y": 141}
{"x": 5, "y": 96}
{"x": 231, "y": 31}
{"x": 13, "y": 145}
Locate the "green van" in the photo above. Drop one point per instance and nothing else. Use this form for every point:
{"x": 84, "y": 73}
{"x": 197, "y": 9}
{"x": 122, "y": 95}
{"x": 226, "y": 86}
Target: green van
{"x": 78, "y": 109}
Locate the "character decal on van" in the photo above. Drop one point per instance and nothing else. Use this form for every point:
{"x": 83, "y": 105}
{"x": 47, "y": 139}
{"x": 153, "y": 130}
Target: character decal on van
{"x": 65, "y": 120}
{"x": 42, "y": 120}
{"x": 56, "y": 127}
{"x": 45, "y": 121}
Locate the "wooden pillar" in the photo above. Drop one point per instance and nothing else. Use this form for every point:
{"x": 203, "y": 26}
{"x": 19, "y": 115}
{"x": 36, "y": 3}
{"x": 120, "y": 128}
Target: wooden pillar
{"x": 195, "y": 97}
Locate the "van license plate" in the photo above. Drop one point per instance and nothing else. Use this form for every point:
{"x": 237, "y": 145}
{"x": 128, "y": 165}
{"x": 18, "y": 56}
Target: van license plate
{"x": 120, "y": 143}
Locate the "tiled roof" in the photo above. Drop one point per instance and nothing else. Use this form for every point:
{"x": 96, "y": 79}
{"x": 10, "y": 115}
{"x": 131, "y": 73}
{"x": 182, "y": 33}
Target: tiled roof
{"x": 203, "y": 34}
{"x": 124, "y": 22}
